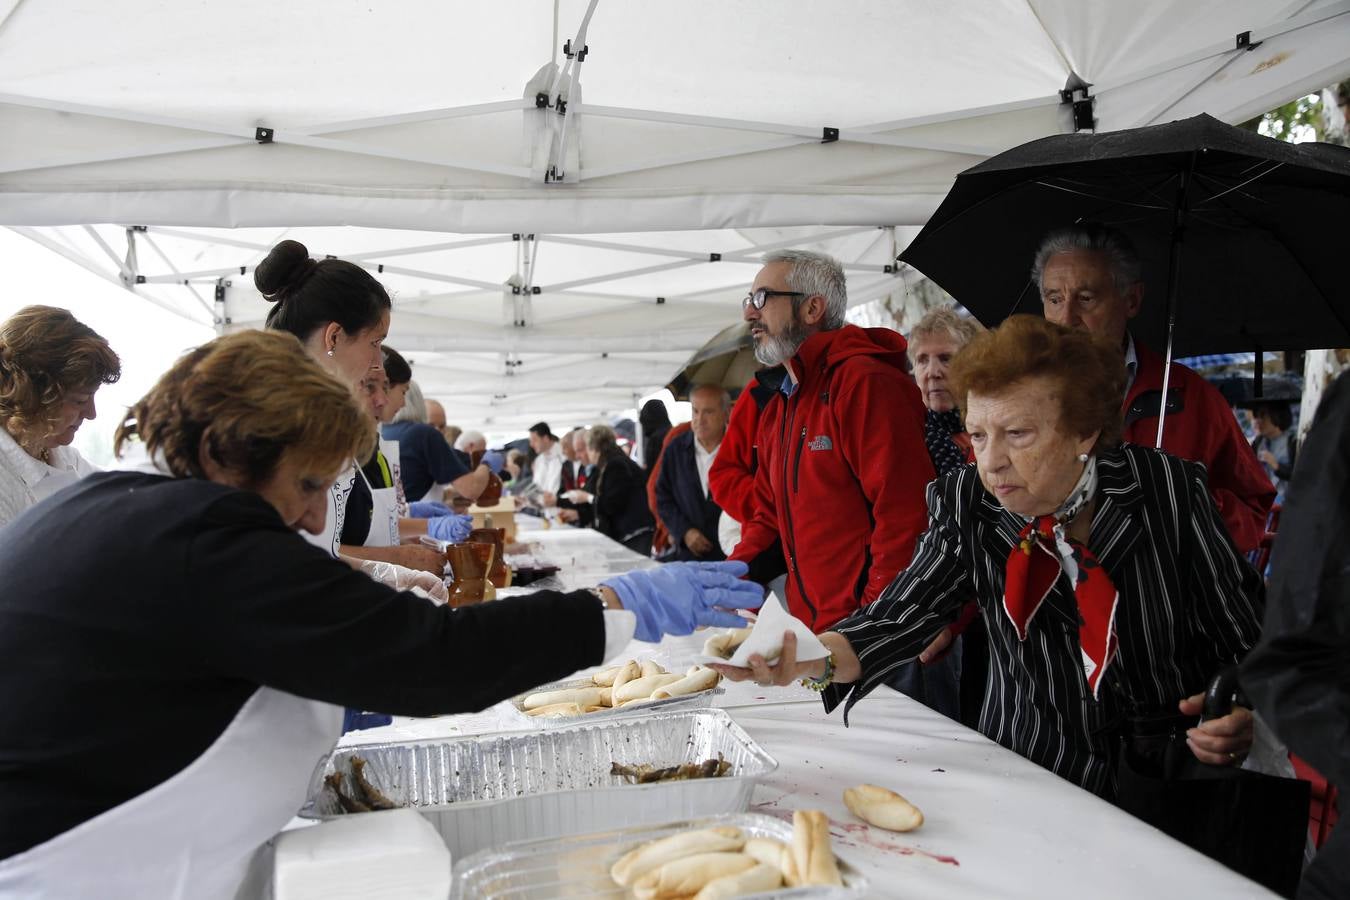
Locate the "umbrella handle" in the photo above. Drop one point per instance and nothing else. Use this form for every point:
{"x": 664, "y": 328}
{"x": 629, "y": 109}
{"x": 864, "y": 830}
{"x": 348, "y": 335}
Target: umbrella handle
{"x": 1222, "y": 693}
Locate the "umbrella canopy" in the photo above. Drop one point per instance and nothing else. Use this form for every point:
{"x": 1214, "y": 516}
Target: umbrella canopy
{"x": 728, "y": 360}
{"x": 1256, "y": 222}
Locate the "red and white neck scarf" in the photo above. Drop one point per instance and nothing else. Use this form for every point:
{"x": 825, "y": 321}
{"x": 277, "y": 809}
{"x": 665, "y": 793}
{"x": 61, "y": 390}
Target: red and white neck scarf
{"x": 1034, "y": 565}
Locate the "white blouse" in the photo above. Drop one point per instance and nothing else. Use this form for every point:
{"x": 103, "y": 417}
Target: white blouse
{"x": 24, "y": 480}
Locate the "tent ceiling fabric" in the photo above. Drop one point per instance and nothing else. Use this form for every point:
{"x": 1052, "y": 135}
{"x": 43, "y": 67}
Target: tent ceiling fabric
{"x": 422, "y": 115}
{"x": 689, "y": 129}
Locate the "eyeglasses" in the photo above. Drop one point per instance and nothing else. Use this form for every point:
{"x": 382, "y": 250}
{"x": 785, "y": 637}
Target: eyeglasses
{"x": 758, "y": 298}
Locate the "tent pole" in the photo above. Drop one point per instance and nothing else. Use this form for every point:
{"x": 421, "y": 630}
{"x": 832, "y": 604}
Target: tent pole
{"x": 1174, "y": 284}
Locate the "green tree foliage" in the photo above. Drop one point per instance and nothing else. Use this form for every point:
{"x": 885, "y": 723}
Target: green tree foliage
{"x": 1298, "y": 120}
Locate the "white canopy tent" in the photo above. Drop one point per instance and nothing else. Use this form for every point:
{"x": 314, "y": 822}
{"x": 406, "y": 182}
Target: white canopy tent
{"x": 433, "y": 133}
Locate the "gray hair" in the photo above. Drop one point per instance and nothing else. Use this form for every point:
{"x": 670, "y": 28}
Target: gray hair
{"x": 815, "y": 273}
{"x": 945, "y": 321}
{"x": 469, "y": 437}
{"x": 709, "y": 386}
{"x": 414, "y": 407}
{"x": 1121, "y": 257}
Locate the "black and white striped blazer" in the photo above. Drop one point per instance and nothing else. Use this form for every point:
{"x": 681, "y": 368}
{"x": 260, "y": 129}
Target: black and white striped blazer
{"x": 1189, "y": 605}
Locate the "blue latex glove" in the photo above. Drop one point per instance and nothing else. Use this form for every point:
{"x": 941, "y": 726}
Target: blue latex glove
{"x": 452, "y": 528}
{"x": 678, "y": 597}
{"x": 429, "y": 509}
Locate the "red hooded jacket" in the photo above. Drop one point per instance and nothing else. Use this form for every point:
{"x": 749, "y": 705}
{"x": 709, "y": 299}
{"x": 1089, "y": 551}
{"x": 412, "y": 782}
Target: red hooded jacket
{"x": 842, "y": 473}
{"x": 1200, "y": 427}
{"x": 731, "y": 480}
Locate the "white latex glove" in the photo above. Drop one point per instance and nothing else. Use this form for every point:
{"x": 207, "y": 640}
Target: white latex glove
{"x": 579, "y": 496}
{"x": 403, "y": 579}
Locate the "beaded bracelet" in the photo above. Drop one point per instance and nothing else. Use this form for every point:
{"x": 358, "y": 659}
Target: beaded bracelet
{"x": 821, "y": 683}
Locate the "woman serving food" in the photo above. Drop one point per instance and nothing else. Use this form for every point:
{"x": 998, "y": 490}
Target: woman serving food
{"x": 169, "y": 679}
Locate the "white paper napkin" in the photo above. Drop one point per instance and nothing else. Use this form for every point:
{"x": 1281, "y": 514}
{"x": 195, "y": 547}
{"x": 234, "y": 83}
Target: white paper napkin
{"x": 395, "y": 854}
{"x": 766, "y": 637}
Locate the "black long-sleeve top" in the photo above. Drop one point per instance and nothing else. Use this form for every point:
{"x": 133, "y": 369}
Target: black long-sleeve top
{"x": 138, "y": 613}
{"x": 1189, "y": 606}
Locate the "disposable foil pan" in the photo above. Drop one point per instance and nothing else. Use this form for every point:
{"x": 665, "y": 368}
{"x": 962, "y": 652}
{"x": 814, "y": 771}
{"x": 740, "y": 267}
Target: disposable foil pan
{"x": 701, "y": 700}
{"x": 579, "y": 866}
{"x": 485, "y": 790}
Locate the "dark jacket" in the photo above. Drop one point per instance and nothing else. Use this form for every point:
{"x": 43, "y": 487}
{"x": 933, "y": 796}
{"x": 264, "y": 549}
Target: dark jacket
{"x": 1201, "y": 427}
{"x": 680, "y": 501}
{"x": 1299, "y": 675}
{"x": 655, "y": 422}
{"x": 124, "y": 659}
{"x": 842, "y": 472}
{"x": 620, "y": 490}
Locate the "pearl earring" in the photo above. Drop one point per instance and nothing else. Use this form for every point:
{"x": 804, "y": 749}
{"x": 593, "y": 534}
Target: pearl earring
{"x": 1082, "y": 457}
{"x": 330, "y": 353}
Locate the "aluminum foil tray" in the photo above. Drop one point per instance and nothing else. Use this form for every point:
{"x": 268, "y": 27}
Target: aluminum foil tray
{"x": 701, "y": 700}
{"x": 485, "y": 790}
{"x": 579, "y": 866}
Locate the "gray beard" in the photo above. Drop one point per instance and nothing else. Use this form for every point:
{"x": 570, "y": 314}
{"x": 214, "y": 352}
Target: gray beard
{"x": 774, "y": 350}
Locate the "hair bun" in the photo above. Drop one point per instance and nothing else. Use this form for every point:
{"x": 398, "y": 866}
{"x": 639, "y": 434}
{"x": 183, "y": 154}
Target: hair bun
{"x": 285, "y": 266}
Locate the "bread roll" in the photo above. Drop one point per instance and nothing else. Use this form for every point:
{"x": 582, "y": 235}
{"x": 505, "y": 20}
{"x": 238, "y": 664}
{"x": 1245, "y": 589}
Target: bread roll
{"x": 761, "y": 877}
{"x": 652, "y": 855}
{"x": 700, "y": 679}
{"x": 724, "y": 643}
{"x": 555, "y": 709}
{"x": 605, "y": 677}
{"x": 688, "y": 874}
{"x": 593, "y": 696}
{"x": 812, "y": 855}
{"x": 642, "y": 687}
{"x": 882, "y": 807}
{"x": 767, "y": 850}
{"x": 650, "y": 668}
{"x": 627, "y": 672}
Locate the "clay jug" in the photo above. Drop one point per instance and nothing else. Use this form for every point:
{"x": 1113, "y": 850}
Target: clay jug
{"x": 468, "y": 567}
{"x": 499, "y": 573}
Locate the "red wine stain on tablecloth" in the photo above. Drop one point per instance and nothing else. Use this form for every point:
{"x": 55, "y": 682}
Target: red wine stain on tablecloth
{"x": 856, "y": 834}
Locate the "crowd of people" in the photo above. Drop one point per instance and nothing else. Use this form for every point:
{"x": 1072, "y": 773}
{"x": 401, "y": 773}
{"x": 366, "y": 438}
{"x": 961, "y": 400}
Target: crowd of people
{"x": 978, "y": 519}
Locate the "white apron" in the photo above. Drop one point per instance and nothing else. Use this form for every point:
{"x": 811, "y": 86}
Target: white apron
{"x": 331, "y": 537}
{"x": 390, "y": 450}
{"x": 383, "y": 515}
{"x": 192, "y": 836}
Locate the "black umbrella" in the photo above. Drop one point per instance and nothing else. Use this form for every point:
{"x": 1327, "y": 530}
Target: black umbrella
{"x": 1241, "y": 236}
{"x": 727, "y": 360}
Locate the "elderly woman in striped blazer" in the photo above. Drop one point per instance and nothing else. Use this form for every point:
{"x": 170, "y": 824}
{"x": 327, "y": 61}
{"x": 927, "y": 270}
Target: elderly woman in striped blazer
{"x": 1111, "y": 590}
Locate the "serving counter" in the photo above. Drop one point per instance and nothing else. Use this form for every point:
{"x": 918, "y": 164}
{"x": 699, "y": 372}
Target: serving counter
{"x": 996, "y": 825}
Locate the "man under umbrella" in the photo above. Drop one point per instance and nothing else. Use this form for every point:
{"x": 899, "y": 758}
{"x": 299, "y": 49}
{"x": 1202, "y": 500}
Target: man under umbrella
{"x": 1089, "y": 277}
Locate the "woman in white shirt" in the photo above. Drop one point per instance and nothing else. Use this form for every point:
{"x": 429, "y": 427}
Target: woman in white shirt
{"x": 51, "y": 365}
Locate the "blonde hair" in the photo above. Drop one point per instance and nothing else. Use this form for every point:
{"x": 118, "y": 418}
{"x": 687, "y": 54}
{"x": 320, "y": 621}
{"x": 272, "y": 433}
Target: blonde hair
{"x": 45, "y": 354}
{"x": 943, "y": 320}
{"x": 251, "y": 397}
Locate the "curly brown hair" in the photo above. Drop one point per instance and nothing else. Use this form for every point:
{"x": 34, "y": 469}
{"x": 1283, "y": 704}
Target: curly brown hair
{"x": 45, "y": 354}
{"x": 1089, "y": 372}
{"x": 252, "y": 397}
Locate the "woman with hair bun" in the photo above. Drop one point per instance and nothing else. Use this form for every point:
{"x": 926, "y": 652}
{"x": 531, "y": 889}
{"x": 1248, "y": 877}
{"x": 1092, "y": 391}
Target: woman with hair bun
{"x": 51, "y": 365}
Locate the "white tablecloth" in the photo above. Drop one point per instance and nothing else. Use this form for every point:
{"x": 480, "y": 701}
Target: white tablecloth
{"x": 996, "y": 825}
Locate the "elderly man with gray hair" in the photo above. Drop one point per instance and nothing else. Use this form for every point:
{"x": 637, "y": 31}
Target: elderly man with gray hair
{"x": 1090, "y": 277}
{"x": 842, "y": 462}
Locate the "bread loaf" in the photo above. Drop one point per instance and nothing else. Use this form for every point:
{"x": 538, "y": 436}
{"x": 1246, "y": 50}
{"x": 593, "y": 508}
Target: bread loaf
{"x": 642, "y": 687}
{"x": 689, "y": 874}
{"x": 699, "y": 679}
{"x": 760, "y": 877}
{"x": 593, "y": 696}
{"x": 652, "y": 855}
{"x": 882, "y": 807}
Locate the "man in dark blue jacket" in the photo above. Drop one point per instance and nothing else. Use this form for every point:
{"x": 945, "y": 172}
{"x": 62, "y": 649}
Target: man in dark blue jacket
{"x": 682, "y": 498}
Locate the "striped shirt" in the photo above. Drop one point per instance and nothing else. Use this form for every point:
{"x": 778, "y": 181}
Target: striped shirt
{"x": 1189, "y": 606}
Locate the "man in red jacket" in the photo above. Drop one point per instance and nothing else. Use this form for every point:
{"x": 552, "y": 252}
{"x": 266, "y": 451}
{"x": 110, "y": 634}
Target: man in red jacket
{"x": 1090, "y": 278}
{"x": 842, "y": 465}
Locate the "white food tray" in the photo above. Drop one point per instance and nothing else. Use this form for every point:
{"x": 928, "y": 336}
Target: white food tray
{"x": 701, "y": 700}
{"x": 579, "y": 866}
